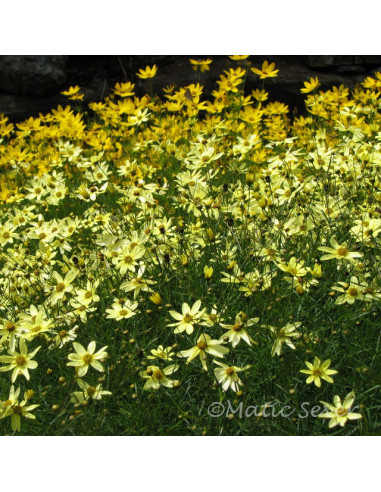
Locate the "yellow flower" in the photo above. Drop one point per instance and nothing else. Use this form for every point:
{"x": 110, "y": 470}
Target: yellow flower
{"x": 338, "y": 251}
{"x": 227, "y": 375}
{"x": 12, "y": 408}
{"x": 187, "y": 318}
{"x": 208, "y": 272}
{"x": 73, "y": 93}
{"x": 267, "y": 70}
{"x": 20, "y": 362}
{"x": 83, "y": 358}
{"x": 124, "y": 89}
{"x": 318, "y": 371}
{"x": 203, "y": 65}
{"x": 157, "y": 377}
{"x": 339, "y": 413}
{"x": 310, "y": 86}
{"x": 238, "y": 57}
{"x": 237, "y": 331}
{"x": 156, "y": 298}
{"x": 205, "y": 345}
{"x": 147, "y": 73}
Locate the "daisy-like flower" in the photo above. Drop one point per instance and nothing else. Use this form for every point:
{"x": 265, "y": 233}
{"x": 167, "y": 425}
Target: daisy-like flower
{"x": 62, "y": 285}
{"x": 147, "y": 73}
{"x": 352, "y": 291}
{"x": 237, "y": 332}
{"x": 83, "y": 358}
{"x": 88, "y": 392}
{"x": 338, "y": 251}
{"x": 12, "y": 408}
{"x": 283, "y": 336}
{"x": 268, "y": 70}
{"x": 122, "y": 309}
{"x": 311, "y": 85}
{"x": 205, "y": 345}
{"x": 227, "y": 375}
{"x": 202, "y": 65}
{"x": 161, "y": 353}
{"x": 339, "y": 412}
{"x": 19, "y": 362}
{"x": 188, "y": 318}
{"x": 157, "y": 377}
{"x": 318, "y": 371}
{"x": 9, "y": 330}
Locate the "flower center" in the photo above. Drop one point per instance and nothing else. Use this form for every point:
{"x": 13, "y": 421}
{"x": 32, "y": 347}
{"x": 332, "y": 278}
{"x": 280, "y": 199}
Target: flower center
{"x": 20, "y": 360}
{"x": 316, "y": 372}
{"x": 352, "y": 291}
{"x": 202, "y": 344}
{"x": 87, "y": 358}
{"x": 90, "y": 390}
{"x": 187, "y": 318}
{"x": 341, "y": 411}
{"x": 237, "y": 327}
{"x": 229, "y": 371}
{"x": 10, "y": 327}
{"x": 342, "y": 251}
{"x": 17, "y": 409}
{"x": 158, "y": 374}
{"x": 60, "y": 287}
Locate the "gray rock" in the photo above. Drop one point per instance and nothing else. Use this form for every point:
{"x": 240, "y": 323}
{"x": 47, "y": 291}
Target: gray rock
{"x": 33, "y": 75}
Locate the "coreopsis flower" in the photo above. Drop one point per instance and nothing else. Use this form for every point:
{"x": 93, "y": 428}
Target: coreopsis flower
{"x": 227, "y": 375}
{"x": 19, "y": 362}
{"x": 202, "y": 65}
{"x": 237, "y": 331}
{"x": 9, "y": 331}
{"x": 88, "y": 392}
{"x": 268, "y": 70}
{"x": 352, "y": 291}
{"x": 12, "y": 408}
{"x": 283, "y": 336}
{"x": 338, "y": 251}
{"x": 156, "y": 299}
{"x": 157, "y": 377}
{"x": 138, "y": 283}
{"x": 65, "y": 336}
{"x": 122, "y": 309}
{"x": 294, "y": 267}
{"x": 62, "y": 286}
{"x": 83, "y": 358}
{"x": 205, "y": 345}
{"x": 310, "y": 86}
{"x": 128, "y": 258}
{"x": 340, "y": 412}
{"x": 318, "y": 371}
{"x": 88, "y": 295}
{"x": 161, "y": 353}
{"x": 125, "y": 89}
{"x": 73, "y": 93}
{"x": 147, "y": 73}
{"x": 188, "y": 318}
{"x": 208, "y": 272}
{"x": 238, "y": 57}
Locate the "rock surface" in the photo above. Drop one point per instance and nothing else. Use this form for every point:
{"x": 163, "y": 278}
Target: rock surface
{"x": 30, "y": 85}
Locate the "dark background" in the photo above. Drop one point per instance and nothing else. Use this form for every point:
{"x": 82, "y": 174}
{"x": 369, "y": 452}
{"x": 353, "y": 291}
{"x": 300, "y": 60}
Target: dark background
{"x": 31, "y": 84}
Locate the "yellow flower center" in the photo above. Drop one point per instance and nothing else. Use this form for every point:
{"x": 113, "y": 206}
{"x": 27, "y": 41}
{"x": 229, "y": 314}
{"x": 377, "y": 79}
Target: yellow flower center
{"x": 352, "y": 291}
{"x": 342, "y": 251}
{"x": 341, "y": 411}
{"x": 17, "y": 409}
{"x": 202, "y": 344}
{"x": 187, "y": 318}
{"x": 123, "y": 312}
{"x": 20, "y": 360}
{"x": 63, "y": 333}
{"x": 316, "y": 372}
{"x": 60, "y": 287}
{"x": 10, "y": 327}
{"x": 87, "y": 358}
{"x": 90, "y": 390}
{"x": 88, "y": 294}
{"x": 158, "y": 374}
{"x": 230, "y": 371}
{"x": 6, "y": 235}
{"x": 237, "y": 327}
{"x": 128, "y": 259}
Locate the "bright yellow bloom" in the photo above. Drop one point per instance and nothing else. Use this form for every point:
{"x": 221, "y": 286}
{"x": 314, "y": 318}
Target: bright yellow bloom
{"x": 208, "y": 272}
{"x": 203, "y": 65}
{"x": 266, "y": 71}
{"x": 12, "y": 408}
{"x": 73, "y": 93}
{"x": 124, "y": 89}
{"x": 339, "y": 413}
{"x": 310, "y": 86}
{"x": 147, "y": 73}
{"x": 238, "y": 57}
{"x": 318, "y": 371}
{"x": 83, "y": 358}
{"x": 19, "y": 362}
{"x": 204, "y": 345}
{"x": 188, "y": 318}
{"x": 157, "y": 377}
{"x": 338, "y": 251}
{"x": 227, "y": 375}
